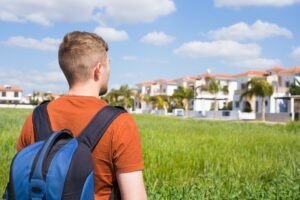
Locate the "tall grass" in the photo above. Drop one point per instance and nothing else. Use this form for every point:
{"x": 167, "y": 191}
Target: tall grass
{"x": 11, "y": 121}
{"x": 193, "y": 159}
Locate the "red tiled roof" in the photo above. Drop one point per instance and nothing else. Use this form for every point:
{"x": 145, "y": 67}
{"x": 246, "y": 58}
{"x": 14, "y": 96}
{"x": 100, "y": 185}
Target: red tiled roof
{"x": 216, "y": 76}
{"x": 251, "y": 72}
{"x": 10, "y": 88}
{"x": 223, "y": 76}
{"x": 146, "y": 83}
{"x": 275, "y": 69}
{"x": 186, "y": 78}
{"x": 292, "y": 70}
{"x": 160, "y": 81}
{"x": 171, "y": 82}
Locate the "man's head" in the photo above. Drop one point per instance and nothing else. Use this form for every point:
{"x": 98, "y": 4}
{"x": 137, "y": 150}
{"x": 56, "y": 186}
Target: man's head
{"x": 83, "y": 57}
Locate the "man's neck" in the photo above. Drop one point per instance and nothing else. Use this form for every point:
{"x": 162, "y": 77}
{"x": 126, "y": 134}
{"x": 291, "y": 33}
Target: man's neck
{"x": 83, "y": 90}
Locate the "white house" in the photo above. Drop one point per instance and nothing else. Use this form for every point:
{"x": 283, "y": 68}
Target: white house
{"x": 154, "y": 88}
{"x": 10, "y": 94}
{"x": 186, "y": 82}
{"x": 204, "y": 101}
{"x": 285, "y": 102}
{"x": 246, "y": 104}
{"x": 281, "y": 100}
{"x": 280, "y": 83}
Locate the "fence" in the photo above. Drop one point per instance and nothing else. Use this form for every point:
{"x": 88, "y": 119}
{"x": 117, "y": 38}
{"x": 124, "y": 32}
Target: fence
{"x": 24, "y": 106}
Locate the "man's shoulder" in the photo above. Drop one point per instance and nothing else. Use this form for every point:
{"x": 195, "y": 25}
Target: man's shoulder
{"x": 124, "y": 118}
{"x": 124, "y": 124}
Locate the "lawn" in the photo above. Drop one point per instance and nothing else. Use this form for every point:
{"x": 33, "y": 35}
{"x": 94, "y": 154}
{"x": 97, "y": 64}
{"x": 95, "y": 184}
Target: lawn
{"x": 193, "y": 159}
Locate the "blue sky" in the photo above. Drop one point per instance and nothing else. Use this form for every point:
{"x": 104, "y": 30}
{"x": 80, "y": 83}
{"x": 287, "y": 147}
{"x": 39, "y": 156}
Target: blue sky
{"x": 148, "y": 39}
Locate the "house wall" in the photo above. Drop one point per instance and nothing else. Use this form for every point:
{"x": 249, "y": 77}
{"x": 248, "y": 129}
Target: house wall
{"x": 170, "y": 89}
{"x": 286, "y": 80}
{"x": 10, "y": 96}
{"x": 204, "y": 100}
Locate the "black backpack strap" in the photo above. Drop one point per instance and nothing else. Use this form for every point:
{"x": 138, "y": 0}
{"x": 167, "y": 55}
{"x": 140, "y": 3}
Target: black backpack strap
{"x": 93, "y": 132}
{"x": 41, "y": 122}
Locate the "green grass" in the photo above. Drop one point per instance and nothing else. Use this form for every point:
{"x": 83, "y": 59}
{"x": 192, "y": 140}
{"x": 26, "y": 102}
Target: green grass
{"x": 193, "y": 159}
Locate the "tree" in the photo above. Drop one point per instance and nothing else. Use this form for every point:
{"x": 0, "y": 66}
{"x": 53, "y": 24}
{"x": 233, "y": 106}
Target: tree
{"x": 161, "y": 102}
{"x": 295, "y": 88}
{"x": 120, "y": 97}
{"x": 184, "y": 95}
{"x": 112, "y": 97}
{"x": 260, "y": 88}
{"x": 213, "y": 87}
{"x": 126, "y": 96}
{"x": 35, "y": 98}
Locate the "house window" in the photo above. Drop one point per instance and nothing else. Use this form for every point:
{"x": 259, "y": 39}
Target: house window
{"x": 16, "y": 94}
{"x": 4, "y": 94}
{"x": 237, "y": 104}
{"x": 280, "y": 81}
{"x": 256, "y": 106}
{"x": 266, "y": 102}
{"x": 243, "y": 86}
{"x": 287, "y": 84}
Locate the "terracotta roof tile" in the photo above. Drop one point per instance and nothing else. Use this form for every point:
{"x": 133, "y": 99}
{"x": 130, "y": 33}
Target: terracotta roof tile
{"x": 275, "y": 69}
{"x": 216, "y": 76}
{"x": 251, "y": 72}
{"x": 10, "y": 88}
{"x": 146, "y": 83}
{"x": 292, "y": 70}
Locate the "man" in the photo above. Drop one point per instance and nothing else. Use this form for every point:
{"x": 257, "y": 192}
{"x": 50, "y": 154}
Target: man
{"x": 84, "y": 61}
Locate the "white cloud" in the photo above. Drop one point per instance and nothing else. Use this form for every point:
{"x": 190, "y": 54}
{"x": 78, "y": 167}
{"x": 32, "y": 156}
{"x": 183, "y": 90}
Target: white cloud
{"x": 243, "y": 3}
{"x": 46, "y": 44}
{"x": 129, "y": 58}
{"x": 157, "y": 38}
{"x": 257, "y": 63}
{"x": 48, "y": 12}
{"x": 35, "y": 80}
{"x": 132, "y": 11}
{"x": 221, "y": 48}
{"x": 234, "y": 53}
{"x": 111, "y": 34}
{"x": 296, "y": 53}
{"x": 257, "y": 31}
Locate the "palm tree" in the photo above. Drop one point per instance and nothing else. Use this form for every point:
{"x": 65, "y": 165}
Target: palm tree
{"x": 112, "y": 97}
{"x": 161, "y": 102}
{"x": 261, "y": 88}
{"x": 125, "y": 98}
{"x": 213, "y": 87}
{"x": 184, "y": 95}
{"x": 35, "y": 98}
{"x": 295, "y": 88}
{"x": 120, "y": 97}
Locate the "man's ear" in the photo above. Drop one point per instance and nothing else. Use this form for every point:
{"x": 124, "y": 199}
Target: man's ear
{"x": 98, "y": 71}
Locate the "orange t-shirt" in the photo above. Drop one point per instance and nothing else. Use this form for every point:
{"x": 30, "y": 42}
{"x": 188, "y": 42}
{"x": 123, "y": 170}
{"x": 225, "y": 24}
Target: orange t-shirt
{"x": 119, "y": 149}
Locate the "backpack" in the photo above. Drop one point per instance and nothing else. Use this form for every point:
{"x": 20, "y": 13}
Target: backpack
{"x": 59, "y": 166}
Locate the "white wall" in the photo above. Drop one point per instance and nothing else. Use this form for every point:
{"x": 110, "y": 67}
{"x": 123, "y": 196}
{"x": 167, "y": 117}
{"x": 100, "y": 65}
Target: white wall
{"x": 170, "y": 89}
{"x": 10, "y": 96}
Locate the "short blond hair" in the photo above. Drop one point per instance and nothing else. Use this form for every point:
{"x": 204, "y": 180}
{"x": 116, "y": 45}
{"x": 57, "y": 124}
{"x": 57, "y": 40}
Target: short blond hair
{"x": 78, "y": 53}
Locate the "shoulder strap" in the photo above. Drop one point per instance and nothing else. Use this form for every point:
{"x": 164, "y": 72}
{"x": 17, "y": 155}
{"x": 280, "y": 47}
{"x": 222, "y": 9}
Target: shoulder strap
{"x": 93, "y": 132}
{"x": 41, "y": 122}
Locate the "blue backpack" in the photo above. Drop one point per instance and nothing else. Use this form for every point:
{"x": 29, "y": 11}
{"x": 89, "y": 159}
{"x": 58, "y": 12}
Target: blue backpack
{"x": 58, "y": 166}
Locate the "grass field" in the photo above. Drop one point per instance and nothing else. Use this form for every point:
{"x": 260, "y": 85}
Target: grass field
{"x": 192, "y": 159}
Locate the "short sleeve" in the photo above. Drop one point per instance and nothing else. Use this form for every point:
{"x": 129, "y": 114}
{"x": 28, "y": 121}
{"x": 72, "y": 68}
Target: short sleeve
{"x": 26, "y": 137}
{"x": 126, "y": 145}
